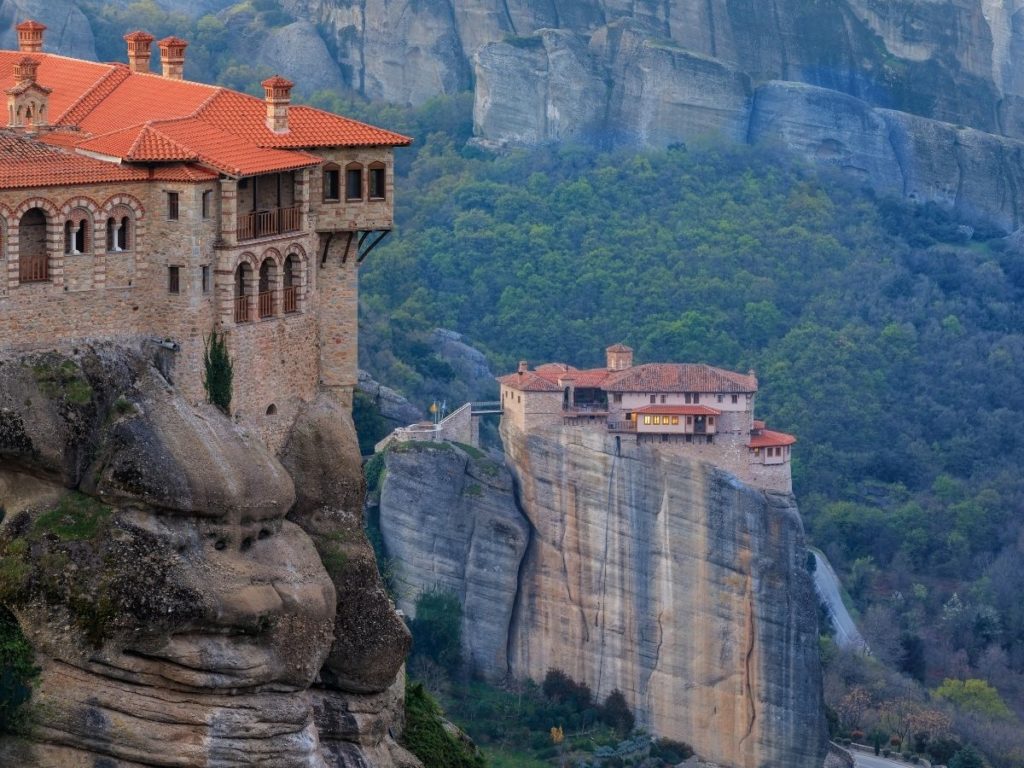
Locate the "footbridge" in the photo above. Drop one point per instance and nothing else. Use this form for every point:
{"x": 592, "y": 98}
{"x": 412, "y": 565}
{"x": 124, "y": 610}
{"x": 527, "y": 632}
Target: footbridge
{"x": 460, "y": 426}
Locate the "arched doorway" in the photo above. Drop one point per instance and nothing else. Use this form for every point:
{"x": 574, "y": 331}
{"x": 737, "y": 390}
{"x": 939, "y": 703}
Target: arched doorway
{"x": 33, "y": 258}
{"x": 291, "y": 283}
{"x": 268, "y": 277}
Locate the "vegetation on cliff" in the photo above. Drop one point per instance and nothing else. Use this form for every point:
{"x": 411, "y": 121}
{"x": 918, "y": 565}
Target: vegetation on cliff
{"x": 885, "y": 336}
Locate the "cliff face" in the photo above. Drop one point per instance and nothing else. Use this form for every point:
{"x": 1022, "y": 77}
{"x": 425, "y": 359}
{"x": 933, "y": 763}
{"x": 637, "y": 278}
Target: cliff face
{"x": 646, "y": 572}
{"x": 450, "y": 521}
{"x": 192, "y": 599}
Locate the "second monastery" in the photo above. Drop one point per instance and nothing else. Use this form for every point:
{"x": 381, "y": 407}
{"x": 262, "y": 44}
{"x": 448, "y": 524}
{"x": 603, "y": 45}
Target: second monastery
{"x": 693, "y": 409}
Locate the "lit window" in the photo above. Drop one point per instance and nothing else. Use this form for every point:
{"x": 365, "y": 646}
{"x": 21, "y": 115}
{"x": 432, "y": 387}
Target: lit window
{"x": 647, "y": 419}
{"x": 675, "y": 421}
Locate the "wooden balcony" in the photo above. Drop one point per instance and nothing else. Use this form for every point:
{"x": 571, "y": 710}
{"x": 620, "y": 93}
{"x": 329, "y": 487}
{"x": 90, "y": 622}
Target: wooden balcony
{"x": 291, "y": 299}
{"x": 241, "y": 309}
{"x": 266, "y": 223}
{"x": 34, "y": 269}
{"x": 266, "y": 304}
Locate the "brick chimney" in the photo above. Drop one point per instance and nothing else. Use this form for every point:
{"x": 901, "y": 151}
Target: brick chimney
{"x": 25, "y": 70}
{"x": 279, "y": 96}
{"x": 172, "y": 57}
{"x": 619, "y": 356}
{"x": 30, "y": 36}
{"x": 139, "y": 52}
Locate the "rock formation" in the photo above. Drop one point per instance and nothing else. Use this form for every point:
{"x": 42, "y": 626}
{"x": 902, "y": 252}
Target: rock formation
{"x": 644, "y": 571}
{"x": 192, "y": 599}
{"x": 450, "y": 521}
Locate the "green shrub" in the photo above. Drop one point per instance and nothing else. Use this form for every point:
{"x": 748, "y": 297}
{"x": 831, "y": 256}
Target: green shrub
{"x": 17, "y": 672}
{"x": 437, "y": 628}
{"x": 615, "y": 712}
{"x": 219, "y": 371}
{"x": 425, "y": 735}
{"x": 967, "y": 757}
{"x": 561, "y": 688}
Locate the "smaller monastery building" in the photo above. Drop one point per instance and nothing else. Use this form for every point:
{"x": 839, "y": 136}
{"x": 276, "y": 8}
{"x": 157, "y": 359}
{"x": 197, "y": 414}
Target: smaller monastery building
{"x": 696, "y": 409}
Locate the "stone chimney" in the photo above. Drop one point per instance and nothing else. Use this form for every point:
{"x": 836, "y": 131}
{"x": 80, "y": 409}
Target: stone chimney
{"x": 139, "y": 52}
{"x": 172, "y": 57}
{"x": 523, "y": 367}
{"x": 27, "y": 101}
{"x": 279, "y": 96}
{"x": 30, "y": 36}
{"x": 619, "y": 356}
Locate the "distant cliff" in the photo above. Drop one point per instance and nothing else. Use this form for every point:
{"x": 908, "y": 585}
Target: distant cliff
{"x": 191, "y": 598}
{"x": 657, "y": 575}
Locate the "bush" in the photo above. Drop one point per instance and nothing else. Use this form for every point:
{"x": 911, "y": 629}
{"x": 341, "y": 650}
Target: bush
{"x": 437, "y": 629}
{"x": 967, "y": 757}
{"x": 561, "y": 688}
{"x": 672, "y": 752}
{"x": 219, "y": 372}
{"x": 615, "y": 712}
{"x": 886, "y": 752}
{"x": 425, "y": 735}
{"x": 17, "y": 672}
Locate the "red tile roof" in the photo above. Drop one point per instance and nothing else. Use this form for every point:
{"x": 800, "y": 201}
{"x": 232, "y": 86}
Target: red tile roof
{"x": 27, "y": 162}
{"x": 680, "y": 410}
{"x": 769, "y": 439}
{"x": 529, "y": 382}
{"x": 679, "y": 377}
{"x": 182, "y": 172}
{"x": 145, "y": 117}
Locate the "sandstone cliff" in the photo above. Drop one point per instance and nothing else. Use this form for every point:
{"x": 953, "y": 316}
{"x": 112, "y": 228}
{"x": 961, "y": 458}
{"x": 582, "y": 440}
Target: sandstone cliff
{"x": 647, "y": 572}
{"x": 192, "y": 599}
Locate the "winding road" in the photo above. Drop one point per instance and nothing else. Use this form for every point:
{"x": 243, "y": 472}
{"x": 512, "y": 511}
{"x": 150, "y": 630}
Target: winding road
{"x": 826, "y": 584}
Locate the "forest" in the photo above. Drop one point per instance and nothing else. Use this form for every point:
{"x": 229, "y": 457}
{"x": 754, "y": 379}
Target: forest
{"x": 885, "y": 335}
{"x": 888, "y": 337}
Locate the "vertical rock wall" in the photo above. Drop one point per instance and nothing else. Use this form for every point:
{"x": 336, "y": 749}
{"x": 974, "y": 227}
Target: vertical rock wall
{"x": 671, "y": 581}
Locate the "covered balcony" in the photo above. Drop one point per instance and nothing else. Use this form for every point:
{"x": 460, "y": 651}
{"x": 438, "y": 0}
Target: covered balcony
{"x": 268, "y": 206}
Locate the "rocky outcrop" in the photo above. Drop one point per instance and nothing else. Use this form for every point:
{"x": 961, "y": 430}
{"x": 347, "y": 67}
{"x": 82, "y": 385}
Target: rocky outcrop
{"x": 671, "y": 581}
{"x": 192, "y": 600}
{"x": 68, "y": 31}
{"x": 394, "y": 408}
{"x": 474, "y": 379}
{"x": 644, "y": 571}
{"x": 450, "y": 522}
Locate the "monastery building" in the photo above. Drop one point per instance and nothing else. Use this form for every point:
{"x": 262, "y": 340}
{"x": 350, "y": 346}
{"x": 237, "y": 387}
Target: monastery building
{"x": 139, "y": 207}
{"x": 697, "y": 410}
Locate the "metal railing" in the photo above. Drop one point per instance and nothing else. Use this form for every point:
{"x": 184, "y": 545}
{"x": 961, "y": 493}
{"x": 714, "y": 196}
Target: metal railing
{"x": 273, "y": 221}
{"x": 34, "y": 268}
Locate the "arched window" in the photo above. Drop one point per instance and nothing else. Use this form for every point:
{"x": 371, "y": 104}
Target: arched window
{"x": 353, "y": 181}
{"x": 119, "y": 232}
{"x": 378, "y": 181}
{"x": 77, "y": 237}
{"x": 332, "y": 182}
{"x": 292, "y": 280}
{"x": 33, "y": 259}
{"x": 243, "y": 276}
{"x": 268, "y": 280}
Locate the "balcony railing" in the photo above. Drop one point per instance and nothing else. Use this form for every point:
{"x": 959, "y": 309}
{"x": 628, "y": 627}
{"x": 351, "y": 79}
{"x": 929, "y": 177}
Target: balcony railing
{"x": 622, "y": 426}
{"x": 273, "y": 221}
{"x": 266, "y": 303}
{"x": 34, "y": 268}
{"x": 241, "y": 309}
{"x": 291, "y": 299}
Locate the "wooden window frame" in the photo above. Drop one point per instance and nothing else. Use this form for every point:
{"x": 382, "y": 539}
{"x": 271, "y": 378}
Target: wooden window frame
{"x": 378, "y": 171}
{"x": 331, "y": 171}
{"x": 350, "y": 169}
{"x": 173, "y": 206}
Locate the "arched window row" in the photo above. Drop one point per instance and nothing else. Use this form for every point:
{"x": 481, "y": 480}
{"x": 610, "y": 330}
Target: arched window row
{"x": 268, "y": 287}
{"x": 42, "y": 229}
{"x": 361, "y": 182}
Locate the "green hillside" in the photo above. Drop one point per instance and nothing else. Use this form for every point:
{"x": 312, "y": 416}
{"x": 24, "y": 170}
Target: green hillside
{"x": 886, "y": 336}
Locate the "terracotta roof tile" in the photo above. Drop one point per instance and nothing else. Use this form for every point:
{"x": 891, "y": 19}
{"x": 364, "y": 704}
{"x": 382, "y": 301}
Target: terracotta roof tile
{"x": 767, "y": 439}
{"x": 182, "y": 172}
{"x": 26, "y": 162}
{"x": 231, "y": 153}
{"x": 529, "y": 382}
{"x": 680, "y": 410}
{"x": 140, "y": 143}
{"x": 92, "y": 98}
{"x": 69, "y": 79}
{"x": 679, "y": 377}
